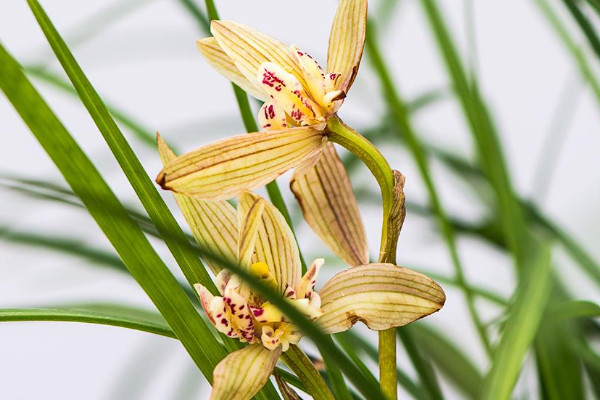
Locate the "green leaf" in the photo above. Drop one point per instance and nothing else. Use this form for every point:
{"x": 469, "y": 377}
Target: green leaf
{"x": 422, "y": 365}
{"x": 164, "y": 221}
{"x": 558, "y": 365}
{"x": 102, "y": 314}
{"x": 125, "y": 236}
{"x": 449, "y": 359}
{"x": 484, "y": 133}
{"x": 521, "y": 326}
{"x": 584, "y": 24}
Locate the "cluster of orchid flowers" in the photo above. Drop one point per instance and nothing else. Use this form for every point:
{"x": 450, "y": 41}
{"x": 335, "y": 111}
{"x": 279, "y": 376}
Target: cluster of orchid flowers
{"x": 299, "y": 99}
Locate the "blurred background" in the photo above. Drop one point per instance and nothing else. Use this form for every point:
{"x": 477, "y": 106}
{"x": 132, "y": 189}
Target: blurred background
{"x": 535, "y": 68}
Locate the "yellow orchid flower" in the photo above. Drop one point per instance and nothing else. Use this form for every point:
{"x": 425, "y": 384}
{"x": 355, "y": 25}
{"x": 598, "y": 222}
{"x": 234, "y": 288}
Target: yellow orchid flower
{"x": 380, "y": 295}
{"x": 299, "y": 98}
{"x": 256, "y": 234}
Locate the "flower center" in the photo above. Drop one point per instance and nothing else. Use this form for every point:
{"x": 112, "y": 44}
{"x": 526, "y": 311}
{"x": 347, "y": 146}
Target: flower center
{"x": 305, "y": 100}
{"x": 241, "y": 314}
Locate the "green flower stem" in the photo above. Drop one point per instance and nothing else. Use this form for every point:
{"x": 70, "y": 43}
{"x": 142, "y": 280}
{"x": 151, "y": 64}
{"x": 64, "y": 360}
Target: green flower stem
{"x": 304, "y": 368}
{"x": 356, "y": 143}
{"x": 387, "y": 363}
{"x": 345, "y": 136}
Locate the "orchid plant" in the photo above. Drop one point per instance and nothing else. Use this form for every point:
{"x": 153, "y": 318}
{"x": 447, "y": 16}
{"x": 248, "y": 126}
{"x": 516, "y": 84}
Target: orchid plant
{"x": 297, "y": 117}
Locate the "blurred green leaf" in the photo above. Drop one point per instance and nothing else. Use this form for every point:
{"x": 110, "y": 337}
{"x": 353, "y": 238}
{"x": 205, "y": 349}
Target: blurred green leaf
{"x": 449, "y": 359}
{"x": 489, "y": 150}
{"x": 522, "y": 324}
{"x": 558, "y": 366}
{"x": 422, "y": 364}
{"x": 584, "y": 24}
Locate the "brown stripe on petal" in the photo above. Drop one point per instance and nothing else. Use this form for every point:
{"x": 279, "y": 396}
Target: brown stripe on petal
{"x": 225, "y": 168}
{"x": 347, "y": 40}
{"x": 380, "y": 295}
{"x": 327, "y": 200}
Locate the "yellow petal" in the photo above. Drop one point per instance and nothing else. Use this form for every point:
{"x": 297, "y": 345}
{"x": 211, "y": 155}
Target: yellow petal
{"x": 249, "y": 48}
{"x": 250, "y": 211}
{"x": 347, "y": 40}
{"x": 380, "y": 295}
{"x": 219, "y": 60}
{"x": 225, "y": 168}
{"x": 313, "y": 73}
{"x": 213, "y": 223}
{"x": 327, "y": 201}
{"x": 276, "y": 247}
{"x": 241, "y": 374}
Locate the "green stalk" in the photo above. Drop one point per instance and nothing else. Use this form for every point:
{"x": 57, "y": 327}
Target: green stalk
{"x": 304, "y": 368}
{"x": 344, "y": 135}
{"x": 577, "y": 53}
{"x": 401, "y": 118}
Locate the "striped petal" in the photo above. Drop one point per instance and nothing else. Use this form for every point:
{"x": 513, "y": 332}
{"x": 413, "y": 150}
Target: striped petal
{"x": 277, "y": 248}
{"x": 219, "y": 60}
{"x": 380, "y": 295}
{"x": 249, "y": 48}
{"x": 327, "y": 201}
{"x": 347, "y": 40}
{"x": 213, "y": 223}
{"x": 241, "y": 374}
{"x": 250, "y": 211}
{"x": 225, "y": 168}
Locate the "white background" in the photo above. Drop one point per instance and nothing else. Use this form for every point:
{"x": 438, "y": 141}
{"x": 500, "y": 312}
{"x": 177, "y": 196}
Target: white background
{"x": 146, "y": 64}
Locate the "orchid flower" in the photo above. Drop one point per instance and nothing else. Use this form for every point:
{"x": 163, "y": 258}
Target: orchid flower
{"x": 299, "y": 98}
{"x": 256, "y": 234}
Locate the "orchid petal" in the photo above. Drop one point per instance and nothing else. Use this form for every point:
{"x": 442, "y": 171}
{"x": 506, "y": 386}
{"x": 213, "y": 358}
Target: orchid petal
{"x": 249, "y": 48}
{"x": 325, "y": 195}
{"x": 308, "y": 281}
{"x": 225, "y": 168}
{"x": 347, "y": 40}
{"x": 313, "y": 73}
{"x": 272, "y": 116}
{"x": 219, "y": 60}
{"x": 241, "y": 374}
{"x": 276, "y": 247}
{"x": 250, "y": 211}
{"x": 380, "y": 295}
{"x": 213, "y": 223}
{"x": 287, "y": 91}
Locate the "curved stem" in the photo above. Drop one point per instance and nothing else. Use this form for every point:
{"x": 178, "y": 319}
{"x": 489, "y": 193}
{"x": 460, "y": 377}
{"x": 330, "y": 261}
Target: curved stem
{"x": 392, "y": 221}
{"x": 353, "y": 141}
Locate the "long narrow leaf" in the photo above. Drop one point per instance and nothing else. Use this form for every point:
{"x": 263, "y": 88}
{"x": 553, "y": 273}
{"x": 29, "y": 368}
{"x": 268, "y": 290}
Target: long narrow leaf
{"x": 125, "y": 236}
{"x": 164, "y": 221}
{"x": 521, "y": 326}
{"x": 136, "y": 319}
